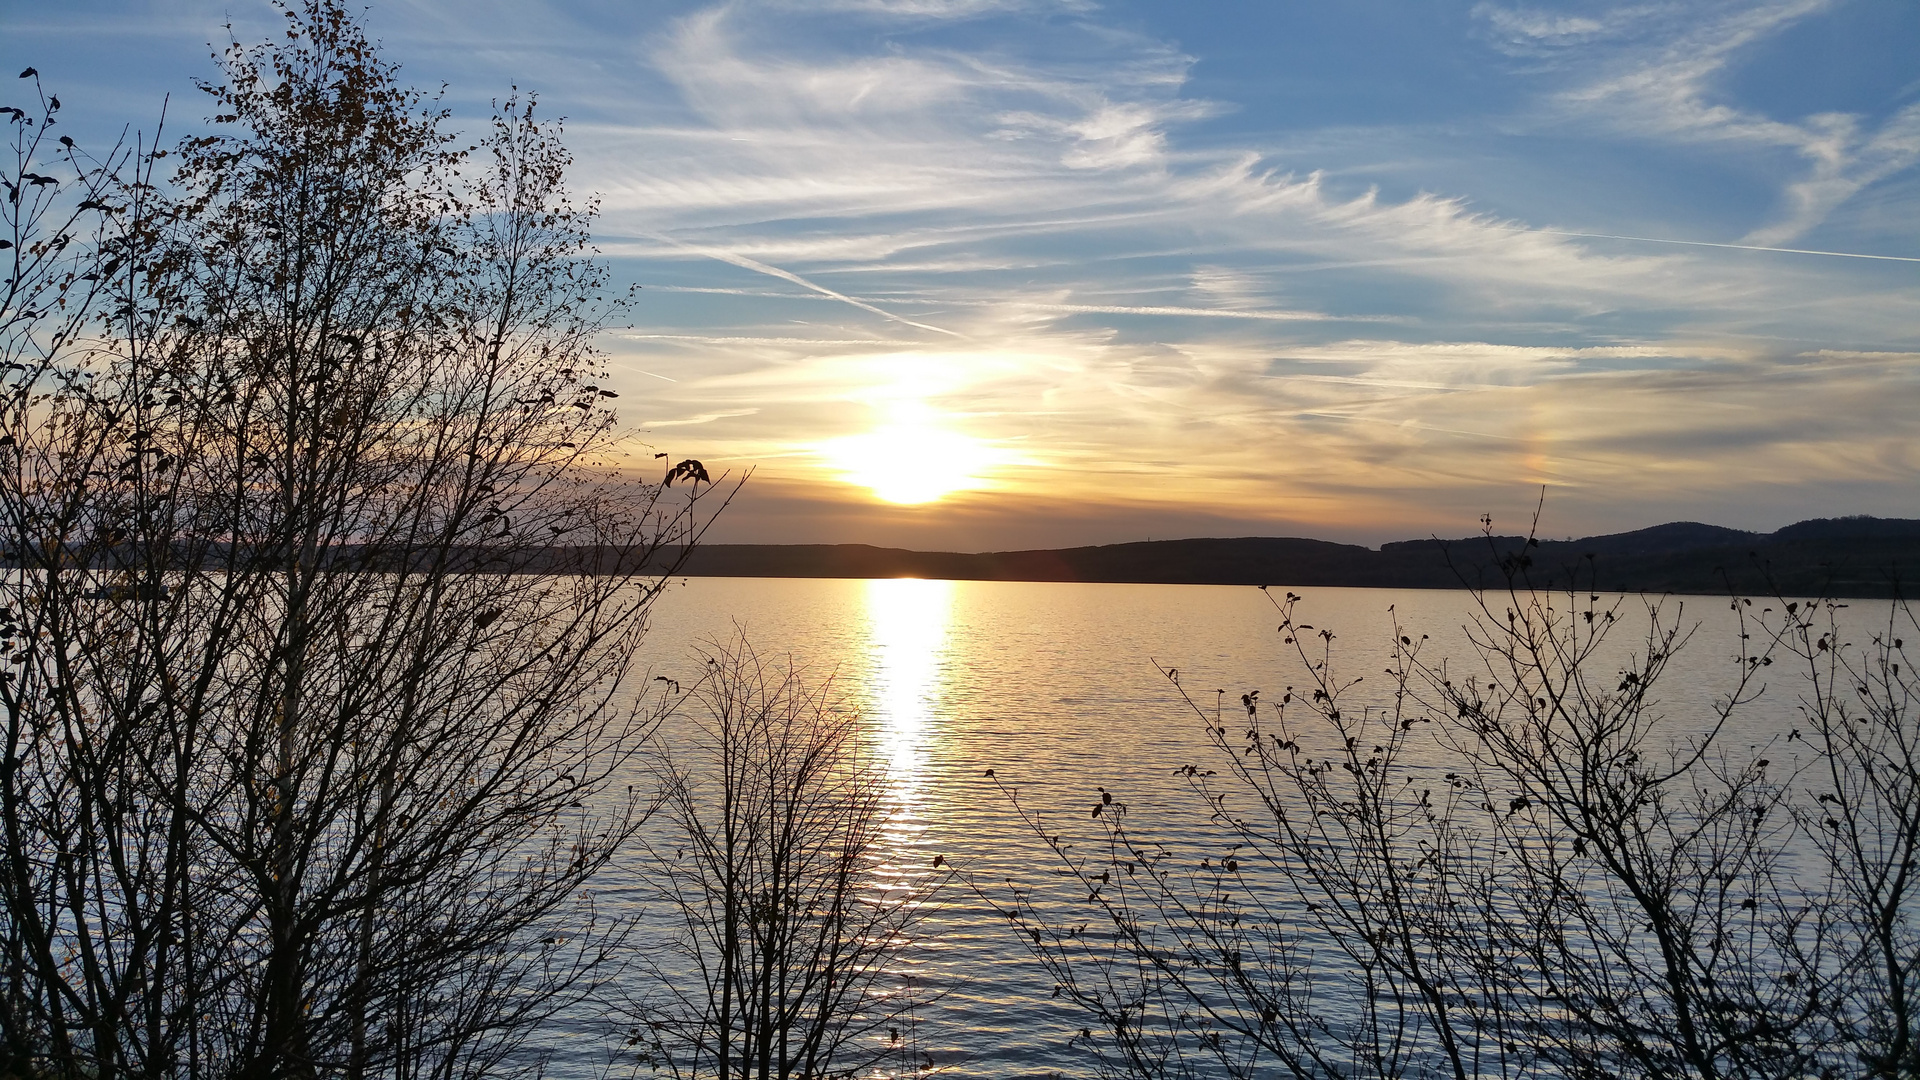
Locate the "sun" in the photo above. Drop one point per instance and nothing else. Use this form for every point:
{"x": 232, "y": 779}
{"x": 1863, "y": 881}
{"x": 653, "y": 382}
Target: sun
{"x": 911, "y": 459}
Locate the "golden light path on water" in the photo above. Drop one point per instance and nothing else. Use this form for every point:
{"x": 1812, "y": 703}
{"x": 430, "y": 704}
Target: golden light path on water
{"x": 908, "y": 621}
{"x": 1054, "y": 686}
{"x": 908, "y": 630}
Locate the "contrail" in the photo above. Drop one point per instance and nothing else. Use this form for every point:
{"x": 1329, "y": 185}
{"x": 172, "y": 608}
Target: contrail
{"x": 1735, "y": 247}
{"x": 1138, "y": 309}
{"x": 787, "y": 275}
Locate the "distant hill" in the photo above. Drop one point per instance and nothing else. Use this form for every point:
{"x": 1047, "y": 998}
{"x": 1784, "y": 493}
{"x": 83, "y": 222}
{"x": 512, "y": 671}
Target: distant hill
{"x": 1851, "y": 557}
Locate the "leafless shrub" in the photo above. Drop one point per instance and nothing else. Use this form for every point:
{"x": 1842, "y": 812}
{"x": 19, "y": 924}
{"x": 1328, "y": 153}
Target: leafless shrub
{"x": 782, "y": 927}
{"x": 1861, "y": 803}
{"x": 1519, "y": 865}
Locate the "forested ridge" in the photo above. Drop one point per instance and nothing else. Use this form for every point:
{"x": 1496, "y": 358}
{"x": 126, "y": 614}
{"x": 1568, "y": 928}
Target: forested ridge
{"x": 1851, "y": 557}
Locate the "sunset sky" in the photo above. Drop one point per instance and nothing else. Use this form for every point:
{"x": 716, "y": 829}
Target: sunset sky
{"x": 975, "y": 275}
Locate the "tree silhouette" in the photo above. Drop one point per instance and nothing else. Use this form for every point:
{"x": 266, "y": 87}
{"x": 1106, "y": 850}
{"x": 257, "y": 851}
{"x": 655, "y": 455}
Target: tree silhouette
{"x": 325, "y": 583}
{"x": 1527, "y": 861}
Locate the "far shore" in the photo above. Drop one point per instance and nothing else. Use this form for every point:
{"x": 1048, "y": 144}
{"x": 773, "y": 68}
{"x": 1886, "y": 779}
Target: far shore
{"x": 1859, "y": 557}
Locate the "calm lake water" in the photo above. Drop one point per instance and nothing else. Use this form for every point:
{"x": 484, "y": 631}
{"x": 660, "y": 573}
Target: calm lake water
{"x": 1055, "y": 687}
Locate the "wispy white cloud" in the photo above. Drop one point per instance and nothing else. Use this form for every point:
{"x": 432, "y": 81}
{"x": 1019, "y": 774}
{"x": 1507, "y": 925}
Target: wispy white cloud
{"x": 938, "y": 10}
{"x": 1658, "y": 71}
{"x": 703, "y": 418}
{"x": 1023, "y": 215}
{"x": 1529, "y": 31}
{"x": 1011, "y": 204}
{"x": 741, "y": 339}
{"x": 1846, "y": 163}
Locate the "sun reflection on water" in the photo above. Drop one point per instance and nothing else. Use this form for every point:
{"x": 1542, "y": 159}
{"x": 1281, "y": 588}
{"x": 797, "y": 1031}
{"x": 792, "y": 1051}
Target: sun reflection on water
{"x": 907, "y": 622}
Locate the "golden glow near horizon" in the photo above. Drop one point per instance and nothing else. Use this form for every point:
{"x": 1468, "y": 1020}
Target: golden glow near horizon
{"x": 912, "y": 458}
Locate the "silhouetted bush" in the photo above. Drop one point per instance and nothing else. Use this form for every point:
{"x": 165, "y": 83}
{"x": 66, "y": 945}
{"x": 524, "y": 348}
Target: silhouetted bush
{"x": 1519, "y": 863}
{"x": 784, "y": 926}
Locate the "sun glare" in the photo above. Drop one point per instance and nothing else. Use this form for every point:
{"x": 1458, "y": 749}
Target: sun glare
{"x": 911, "y": 460}
{"x": 908, "y": 625}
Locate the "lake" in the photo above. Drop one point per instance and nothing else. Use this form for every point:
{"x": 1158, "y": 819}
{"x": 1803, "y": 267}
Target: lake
{"x": 1055, "y": 687}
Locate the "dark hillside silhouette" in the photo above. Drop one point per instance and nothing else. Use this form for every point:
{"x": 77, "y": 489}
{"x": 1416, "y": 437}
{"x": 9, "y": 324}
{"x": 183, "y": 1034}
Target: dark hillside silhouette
{"x": 1855, "y": 557}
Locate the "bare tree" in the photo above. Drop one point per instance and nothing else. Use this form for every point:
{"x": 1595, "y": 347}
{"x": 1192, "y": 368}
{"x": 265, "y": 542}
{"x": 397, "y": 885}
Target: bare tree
{"x": 71, "y": 219}
{"x": 326, "y": 584}
{"x": 1861, "y": 801}
{"x": 1518, "y": 865}
{"x": 783, "y": 928}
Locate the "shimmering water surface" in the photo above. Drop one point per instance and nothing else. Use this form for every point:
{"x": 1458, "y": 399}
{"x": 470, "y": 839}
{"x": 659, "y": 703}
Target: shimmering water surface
{"x": 1054, "y": 686}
